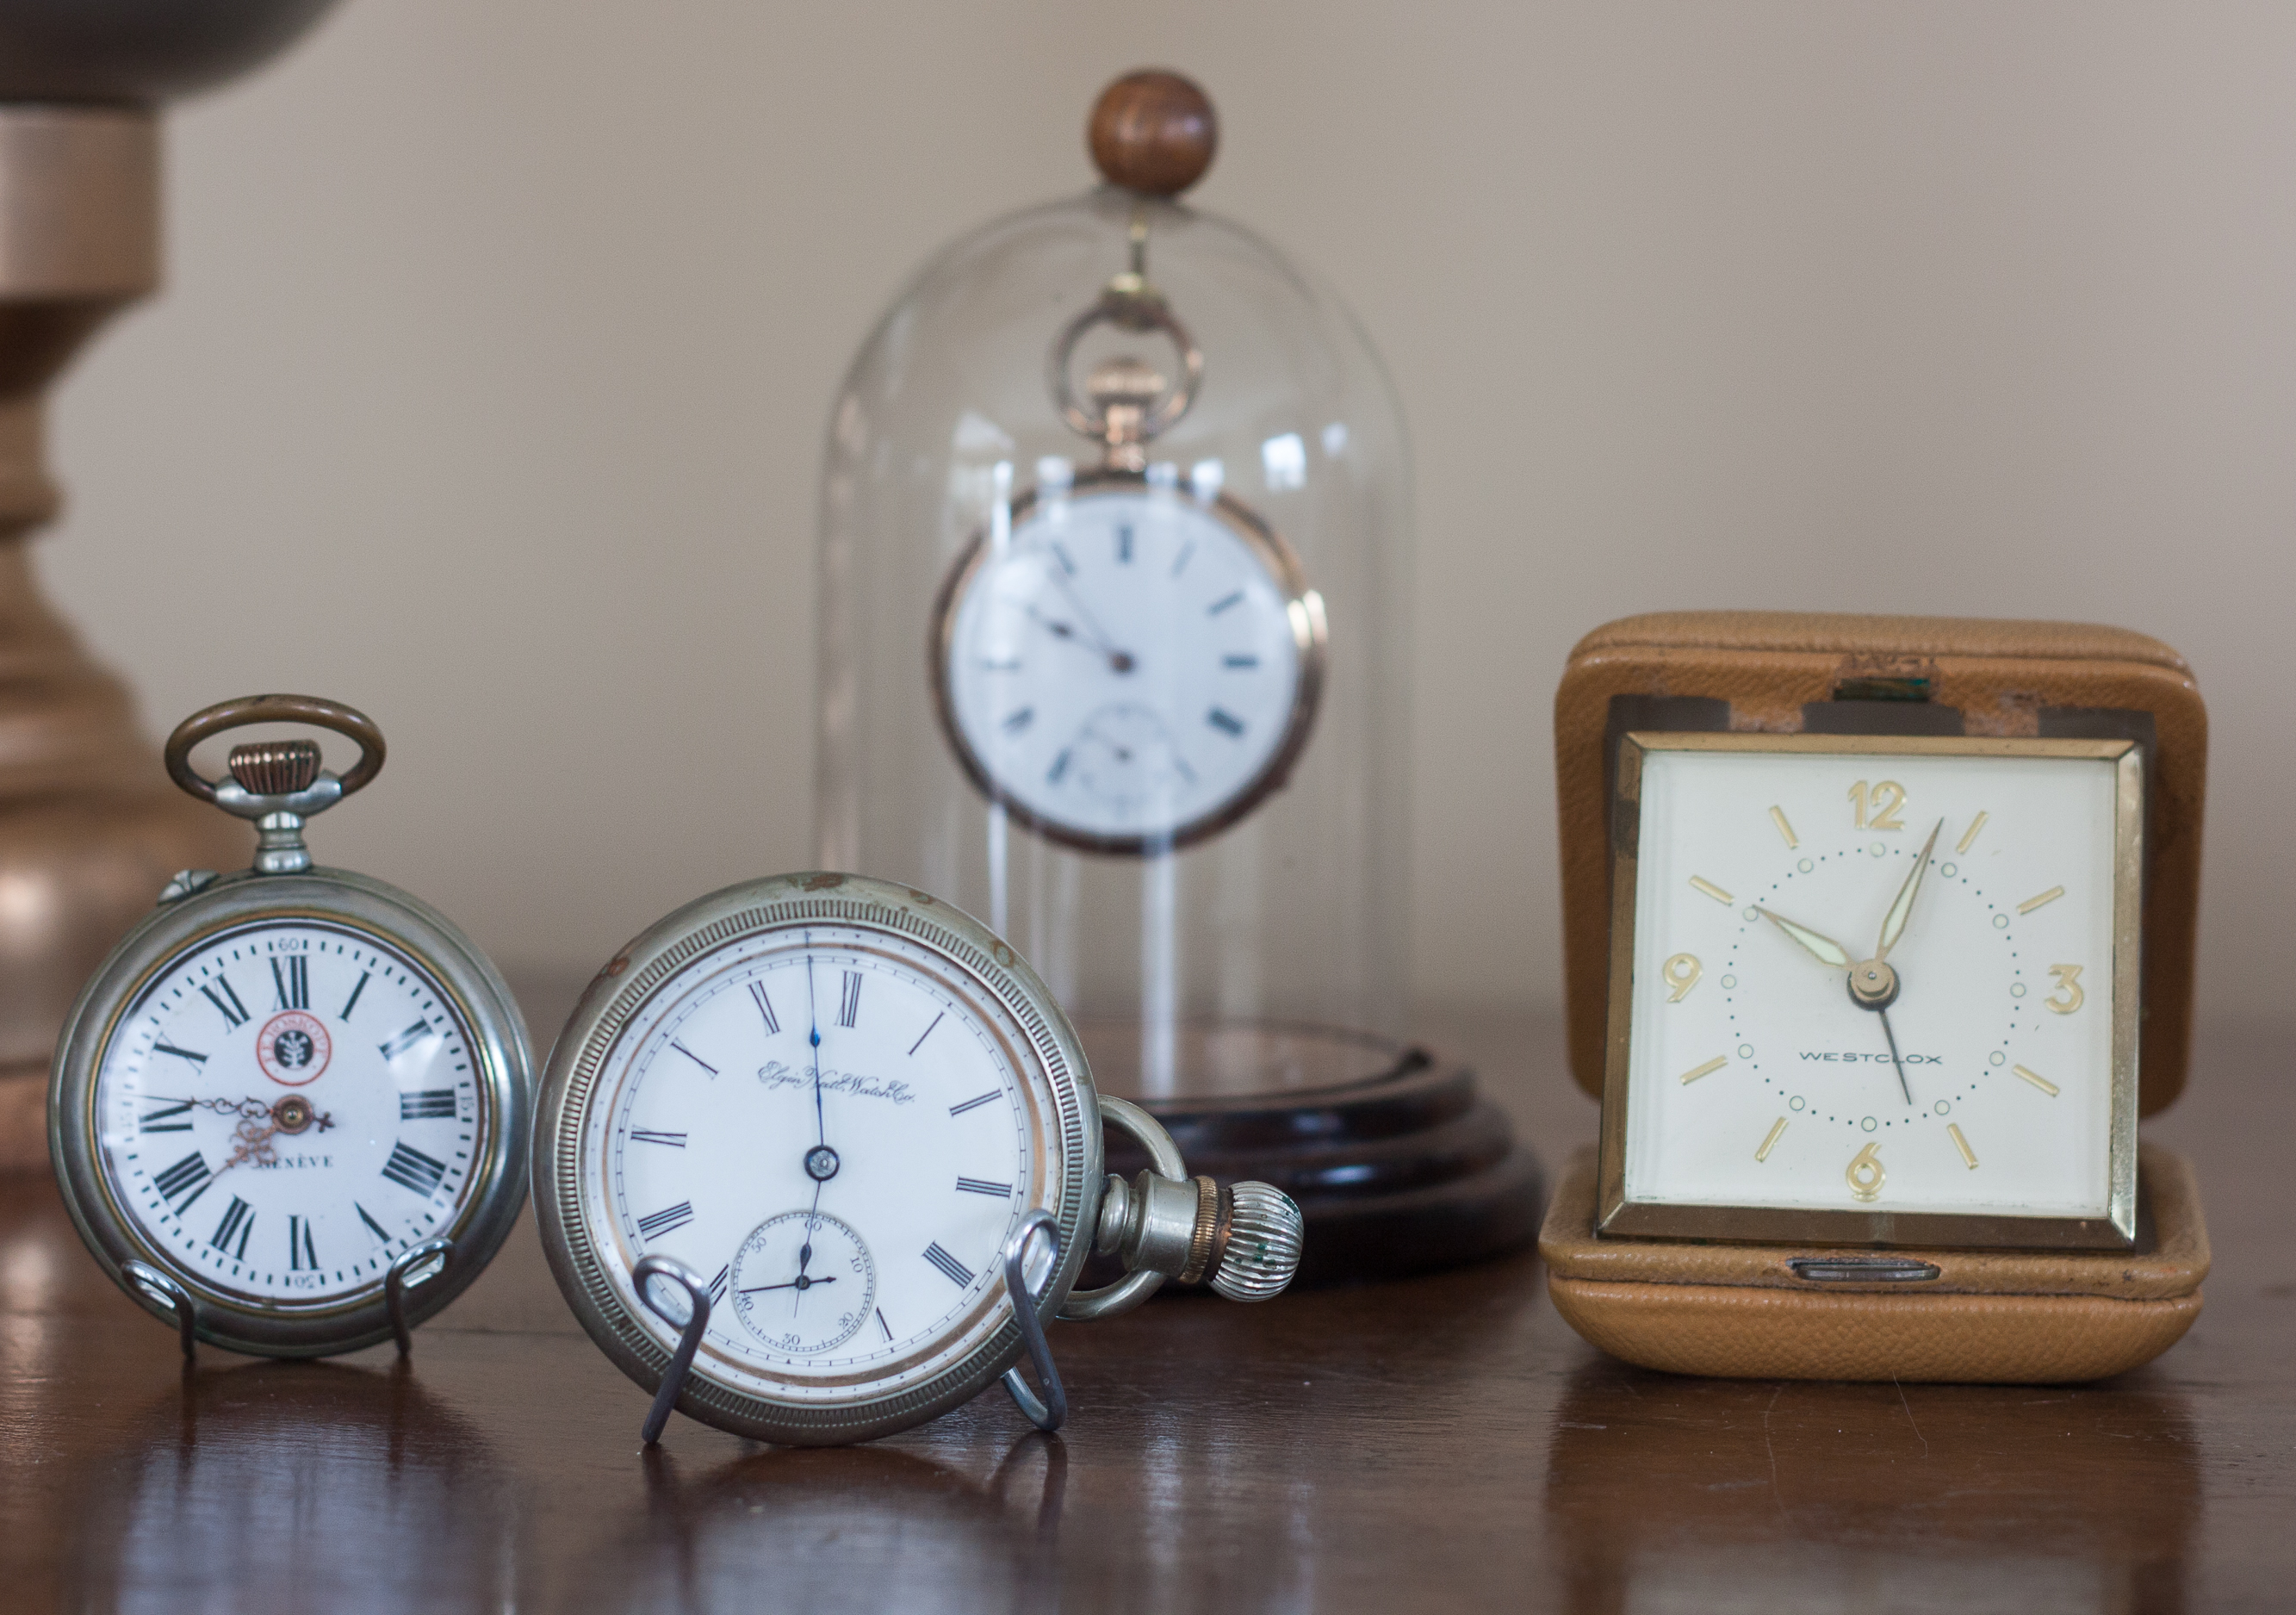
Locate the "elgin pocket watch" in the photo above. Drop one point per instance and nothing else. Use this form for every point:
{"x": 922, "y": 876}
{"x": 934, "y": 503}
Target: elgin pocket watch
{"x": 1126, "y": 664}
{"x": 1876, "y": 989}
{"x": 290, "y": 1113}
{"x": 817, "y": 1155}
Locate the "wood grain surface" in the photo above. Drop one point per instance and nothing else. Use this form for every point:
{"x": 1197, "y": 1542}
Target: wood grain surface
{"x": 1442, "y": 1443}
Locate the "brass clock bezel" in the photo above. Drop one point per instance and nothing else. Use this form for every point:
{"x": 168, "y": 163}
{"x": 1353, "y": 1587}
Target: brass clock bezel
{"x": 1303, "y": 610}
{"x": 1617, "y": 1216}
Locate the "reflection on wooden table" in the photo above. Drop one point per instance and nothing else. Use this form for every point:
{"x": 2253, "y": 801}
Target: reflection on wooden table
{"x": 1435, "y": 1443}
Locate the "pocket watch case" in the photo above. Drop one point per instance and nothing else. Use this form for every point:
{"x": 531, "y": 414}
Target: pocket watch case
{"x": 1848, "y": 1309}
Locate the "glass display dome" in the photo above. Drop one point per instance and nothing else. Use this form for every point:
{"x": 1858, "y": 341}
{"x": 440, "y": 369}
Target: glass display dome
{"x": 1115, "y": 575}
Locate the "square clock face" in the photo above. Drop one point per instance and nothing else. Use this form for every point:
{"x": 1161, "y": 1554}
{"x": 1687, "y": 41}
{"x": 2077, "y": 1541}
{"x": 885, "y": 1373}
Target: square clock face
{"x": 1873, "y": 990}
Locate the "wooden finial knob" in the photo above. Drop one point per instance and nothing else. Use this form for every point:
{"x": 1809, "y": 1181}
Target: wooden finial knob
{"x": 1153, "y": 132}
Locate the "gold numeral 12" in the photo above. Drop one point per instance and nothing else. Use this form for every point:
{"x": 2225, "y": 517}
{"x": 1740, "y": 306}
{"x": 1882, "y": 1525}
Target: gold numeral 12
{"x": 1879, "y": 809}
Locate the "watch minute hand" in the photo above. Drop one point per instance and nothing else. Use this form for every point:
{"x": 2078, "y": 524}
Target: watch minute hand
{"x": 1825, "y": 950}
{"x": 1893, "y": 924}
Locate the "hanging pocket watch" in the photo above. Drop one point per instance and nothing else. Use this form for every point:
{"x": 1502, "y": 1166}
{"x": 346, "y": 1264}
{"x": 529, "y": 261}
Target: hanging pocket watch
{"x": 817, "y": 1155}
{"x": 1122, "y": 663}
{"x": 291, "y": 1111}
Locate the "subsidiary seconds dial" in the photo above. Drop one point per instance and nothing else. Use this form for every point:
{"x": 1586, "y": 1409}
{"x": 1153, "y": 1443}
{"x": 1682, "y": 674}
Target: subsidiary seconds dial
{"x": 1129, "y": 666}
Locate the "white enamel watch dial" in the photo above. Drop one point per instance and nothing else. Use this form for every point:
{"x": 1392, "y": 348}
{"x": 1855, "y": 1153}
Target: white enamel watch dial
{"x": 286, "y": 1107}
{"x": 290, "y": 1112}
{"x": 836, "y": 1110}
{"x": 1127, "y": 666}
{"x": 1882, "y": 988}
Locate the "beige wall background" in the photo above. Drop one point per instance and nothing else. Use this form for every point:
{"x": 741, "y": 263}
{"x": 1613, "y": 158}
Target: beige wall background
{"x": 489, "y": 387}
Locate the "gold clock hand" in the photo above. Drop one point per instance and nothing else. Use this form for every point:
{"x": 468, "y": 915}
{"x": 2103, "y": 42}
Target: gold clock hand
{"x": 1825, "y": 950}
{"x": 1893, "y": 924}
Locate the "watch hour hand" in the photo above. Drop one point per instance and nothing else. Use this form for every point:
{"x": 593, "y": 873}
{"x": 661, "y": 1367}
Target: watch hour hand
{"x": 1893, "y": 924}
{"x": 1823, "y": 948}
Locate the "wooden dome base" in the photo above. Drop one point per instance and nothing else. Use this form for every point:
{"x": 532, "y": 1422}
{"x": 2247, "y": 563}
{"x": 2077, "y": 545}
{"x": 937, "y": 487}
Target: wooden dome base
{"x": 1398, "y": 1162}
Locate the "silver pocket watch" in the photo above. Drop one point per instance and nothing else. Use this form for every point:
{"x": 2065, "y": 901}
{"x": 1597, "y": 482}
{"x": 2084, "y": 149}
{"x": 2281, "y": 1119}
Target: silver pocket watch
{"x": 817, "y": 1155}
{"x": 290, "y": 1111}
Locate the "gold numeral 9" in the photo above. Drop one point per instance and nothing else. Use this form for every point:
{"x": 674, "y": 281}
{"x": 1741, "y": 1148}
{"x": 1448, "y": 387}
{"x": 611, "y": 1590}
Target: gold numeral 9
{"x": 2069, "y": 996}
{"x": 1681, "y": 973}
{"x": 1866, "y": 1174}
{"x": 1879, "y": 809}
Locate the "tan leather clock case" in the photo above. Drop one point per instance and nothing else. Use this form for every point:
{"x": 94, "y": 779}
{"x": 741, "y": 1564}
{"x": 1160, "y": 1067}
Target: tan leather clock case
{"x": 2012, "y": 1316}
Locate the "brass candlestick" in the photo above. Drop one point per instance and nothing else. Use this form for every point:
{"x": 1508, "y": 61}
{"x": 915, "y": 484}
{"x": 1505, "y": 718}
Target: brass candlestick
{"x": 89, "y": 828}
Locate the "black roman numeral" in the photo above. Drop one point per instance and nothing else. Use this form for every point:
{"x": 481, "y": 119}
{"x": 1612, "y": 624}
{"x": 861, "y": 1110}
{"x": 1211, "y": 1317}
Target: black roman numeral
{"x": 240, "y": 1220}
{"x": 1124, "y": 545}
{"x": 162, "y": 1120}
{"x": 198, "y": 1061}
{"x": 974, "y": 1103}
{"x": 351, "y": 1003}
{"x": 717, "y": 1285}
{"x": 668, "y": 1220}
{"x": 302, "y": 1254}
{"x": 1223, "y": 602}
{"x": 411, "y": 1169}
{"x": 1016, "y": 721}
{"x": 189, "y": 1174}
{"x": 407, "y": 1040}
{"x": 848, "y": 1009}
{"x": 958, "y": 1272}
{"x": 676, "y": 1141}
{"x": 429, "y": 1105}
{"x": 1067, "y": 563}
{"x": 292, "y": 977}
{"x": 367, "y": 1217}
{"x": 1239, "y": 661}
{"x": 979, "y": 1185}
{"x": 234, "y": 1012}
{"x": 1181, "y": 565}
{"x": 1060, "y": 766}
{"x": 766, "y": 1009}
{"x": 690, "y": 1054}
{"x": 1227, "y": 723}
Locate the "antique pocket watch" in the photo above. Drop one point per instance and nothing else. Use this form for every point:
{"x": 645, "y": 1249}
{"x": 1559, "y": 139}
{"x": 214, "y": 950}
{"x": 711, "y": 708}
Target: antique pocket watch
{"x": 291, "y": 1111}
{"x": 805, "y": 1142}
{"x": 1126, "y": 664}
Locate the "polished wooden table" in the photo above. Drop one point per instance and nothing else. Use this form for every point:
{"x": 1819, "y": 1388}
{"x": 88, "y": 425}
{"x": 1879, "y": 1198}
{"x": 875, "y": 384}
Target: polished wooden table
{"x": 1443, "y": 1443}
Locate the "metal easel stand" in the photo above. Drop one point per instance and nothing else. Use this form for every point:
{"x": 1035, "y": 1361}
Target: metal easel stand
{"x": 691, "y": 1328}
{"x": 1048, "y": 1412}
{"x": 1052, "y": 1411}
{"x": 432, "y": 1256}
{"x": 159, "y": 1287}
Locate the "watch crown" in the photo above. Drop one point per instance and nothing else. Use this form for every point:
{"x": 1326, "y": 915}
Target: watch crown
{"x": 1262, "y": 1250}
{"x": 275, "y": 768}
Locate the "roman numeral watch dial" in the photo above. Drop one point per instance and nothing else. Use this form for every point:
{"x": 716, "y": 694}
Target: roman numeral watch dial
{"x": 1880, "y": 989}
{"x": 288, "y": 1083}
{"x": 835, "y": 1107}
{"x": 1128, "y": 666}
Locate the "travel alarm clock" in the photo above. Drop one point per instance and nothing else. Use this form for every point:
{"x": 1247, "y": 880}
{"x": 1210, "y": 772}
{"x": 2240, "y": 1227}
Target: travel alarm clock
{"x": 289, "y": 1112}
{"x": 816, "y": 1156}
{"x": 1881, "y": 940}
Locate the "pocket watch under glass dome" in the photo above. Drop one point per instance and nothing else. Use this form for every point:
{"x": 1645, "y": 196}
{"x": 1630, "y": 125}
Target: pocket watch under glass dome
{"x": 1115, "y": 545}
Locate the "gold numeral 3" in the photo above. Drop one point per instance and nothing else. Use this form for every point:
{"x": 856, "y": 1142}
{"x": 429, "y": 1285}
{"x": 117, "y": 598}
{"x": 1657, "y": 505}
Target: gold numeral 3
{"x": 2069, "y": 996}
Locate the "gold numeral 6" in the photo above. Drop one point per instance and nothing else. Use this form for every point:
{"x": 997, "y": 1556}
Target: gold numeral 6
{"x": 1866, "y": 1174}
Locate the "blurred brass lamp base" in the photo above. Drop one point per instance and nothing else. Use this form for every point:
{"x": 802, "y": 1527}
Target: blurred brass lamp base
{"x": 89, "y": 828}
{"x": 1397, "y": 1161}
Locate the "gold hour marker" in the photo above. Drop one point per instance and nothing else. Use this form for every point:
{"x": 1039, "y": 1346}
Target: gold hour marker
{"x": 1968, "y": 1155}
{"x": 2036, "y": 1080}
{"x": 1711, "y": 889}
{"x": 1778, "y": 818}
{"x": 2050, "y": 896}
{"x": 1970, "y": 840}
{"x": 1777, "y": 1131}
{"x": 1708, "y": 1069}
